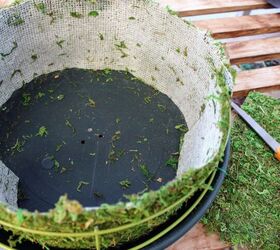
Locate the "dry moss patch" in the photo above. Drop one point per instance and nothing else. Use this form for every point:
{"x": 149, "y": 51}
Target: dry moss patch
{"x": 247, "y": 211}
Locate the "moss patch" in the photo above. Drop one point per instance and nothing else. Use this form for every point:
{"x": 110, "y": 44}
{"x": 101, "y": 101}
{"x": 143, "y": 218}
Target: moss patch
{"x": 247, "y": 211}
{"x": 69, "y": 217}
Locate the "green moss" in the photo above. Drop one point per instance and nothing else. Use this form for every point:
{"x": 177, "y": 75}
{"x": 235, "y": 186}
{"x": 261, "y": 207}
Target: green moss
{"x": 173, "y": 162}
{"x": 247, "y": 211}
{"x": 189, "y": 23}
{"x": 69, "y": 216}
{"x": 91, "y": 1}
{"x": 81, "y": 184}
{"x": 26, "y": 99}
{"x": 120, "y": 47}
{"x": 161, "y": 108}
{"x": 186, "y": 52}
{"x": 76, "y": 14}
{"x": 18, "y": 147}
{"x": 148, "y": 99}
{"x": 107, "y": 71}
{"x": 56, "y": 164}
{"x": 91, "y": 103}
{"x": 40, "y": 95}
{"x": 60, "y": 97}
{"x": 182, "y": 128}
{"x": 58, "y": 147}
{"x": 43, "y": 132}
{"x": 170, "y": 11}
{"x": 15, "y": 45}
{"x": 34, "y": 57}
{"x": 146, "y": 172}
{"x": 125, "y": 184}
{"x": 93, "y": 13}
{"x": 69, "y": 125}
{"x": 202, "y": 109}
{"x": 115, "y": 154}
{"x": 17, "y": 2}
{"x": 41, "y": 7}
{"x": 15, "y": 20}
{"x": 60, "y": 42}
{"x": 101, "y": 36}
{"x": 116, "y": 137}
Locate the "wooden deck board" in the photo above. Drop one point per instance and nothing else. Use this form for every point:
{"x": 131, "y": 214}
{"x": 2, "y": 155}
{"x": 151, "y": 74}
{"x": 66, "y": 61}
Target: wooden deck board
{"x": 241, "y": 26}
{"x": 198, "y": 238}
{"x": 201, "y": 7}
{"x": 254, "y": 50}
{"x": 264, "y": 79}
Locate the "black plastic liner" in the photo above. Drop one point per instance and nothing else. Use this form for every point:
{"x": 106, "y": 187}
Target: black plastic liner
{"x": 85, "y": 132}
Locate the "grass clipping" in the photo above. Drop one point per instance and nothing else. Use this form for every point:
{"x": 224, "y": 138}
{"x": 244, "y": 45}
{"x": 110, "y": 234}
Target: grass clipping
{"x": 247, "y": 211}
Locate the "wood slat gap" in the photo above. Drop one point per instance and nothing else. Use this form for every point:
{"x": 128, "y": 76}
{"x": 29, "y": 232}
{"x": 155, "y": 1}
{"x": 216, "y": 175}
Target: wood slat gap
{"x": 202, "y": 7}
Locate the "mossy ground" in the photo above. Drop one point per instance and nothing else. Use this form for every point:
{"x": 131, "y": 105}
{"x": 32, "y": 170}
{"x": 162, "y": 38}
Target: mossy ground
{"x": 247, "y": 210}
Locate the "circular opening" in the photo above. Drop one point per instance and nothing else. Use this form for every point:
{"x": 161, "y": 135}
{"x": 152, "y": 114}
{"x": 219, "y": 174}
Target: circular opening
{"x": 143, "y": 129}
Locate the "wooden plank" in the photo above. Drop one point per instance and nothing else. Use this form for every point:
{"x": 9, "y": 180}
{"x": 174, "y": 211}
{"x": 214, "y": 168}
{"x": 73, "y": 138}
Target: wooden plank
{"x": 241, "y": 26}
{"x": 201, "y": 7}
{"x": 199, "y": 238}
{"x": 254, "y": 50}
{"x": 5, "y": 3}
{"x": 264, "y": 79}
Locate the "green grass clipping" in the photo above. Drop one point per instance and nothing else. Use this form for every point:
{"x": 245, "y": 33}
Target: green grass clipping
{"x": 247, "y": 210}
